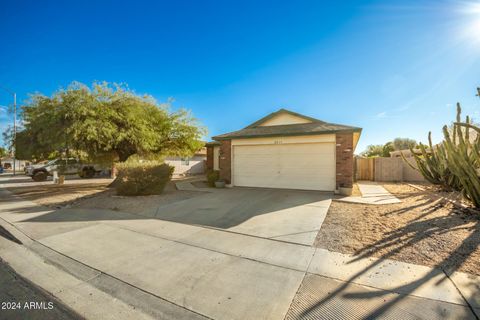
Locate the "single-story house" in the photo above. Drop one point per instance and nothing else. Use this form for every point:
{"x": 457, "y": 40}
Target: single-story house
{"x": 407, "y": 153}
{"x": 286, "y": 150}
{"x": 7, "y": 163}
{"x": 189, "y": 165}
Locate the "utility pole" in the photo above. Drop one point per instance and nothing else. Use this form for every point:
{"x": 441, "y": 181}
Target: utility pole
{"x": 14, "y": 145}
{"x": 14, "y": 127}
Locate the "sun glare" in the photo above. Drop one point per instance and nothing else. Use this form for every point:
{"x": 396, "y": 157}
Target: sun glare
{"x": 471, "y": 16}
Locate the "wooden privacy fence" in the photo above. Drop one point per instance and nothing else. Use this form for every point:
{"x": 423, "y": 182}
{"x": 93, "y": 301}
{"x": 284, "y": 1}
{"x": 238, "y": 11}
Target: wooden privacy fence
{"x": 386, "y": 169}
{"x": 365, "y": 169}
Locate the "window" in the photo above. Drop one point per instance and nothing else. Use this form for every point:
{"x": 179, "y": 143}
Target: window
{"x": 185, "y": 161}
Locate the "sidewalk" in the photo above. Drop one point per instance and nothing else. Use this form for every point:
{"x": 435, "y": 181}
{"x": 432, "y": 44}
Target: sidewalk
{"x": 372, "y": 193}
{"x": 188, "y": 186}
{"x": 77, "y": 294}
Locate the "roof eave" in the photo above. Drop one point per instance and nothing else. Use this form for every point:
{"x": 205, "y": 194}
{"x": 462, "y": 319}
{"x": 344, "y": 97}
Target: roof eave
{"x": 212, "y": 143}
{"x": 220, "y": 138}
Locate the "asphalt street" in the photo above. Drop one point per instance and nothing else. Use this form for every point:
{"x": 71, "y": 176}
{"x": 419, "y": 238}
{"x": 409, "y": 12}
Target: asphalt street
{"x": 20, "y": 299}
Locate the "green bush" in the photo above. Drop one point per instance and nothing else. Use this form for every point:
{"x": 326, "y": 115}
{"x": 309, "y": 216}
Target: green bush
{"x": 213, "y": 176}
{"x": 146, "y": 178}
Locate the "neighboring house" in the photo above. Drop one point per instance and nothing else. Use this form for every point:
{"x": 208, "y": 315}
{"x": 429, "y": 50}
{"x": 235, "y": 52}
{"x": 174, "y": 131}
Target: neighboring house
{"x": 407, "y": 153}
{"x": 7, "y": 163}
{"x": 286, "y": 150}
{"x": 213, "y": 155}
{"x": 189, "y": 165}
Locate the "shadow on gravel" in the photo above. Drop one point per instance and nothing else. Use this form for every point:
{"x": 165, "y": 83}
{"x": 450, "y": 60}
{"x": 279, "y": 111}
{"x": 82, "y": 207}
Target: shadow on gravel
{"x": 417, "y": 230}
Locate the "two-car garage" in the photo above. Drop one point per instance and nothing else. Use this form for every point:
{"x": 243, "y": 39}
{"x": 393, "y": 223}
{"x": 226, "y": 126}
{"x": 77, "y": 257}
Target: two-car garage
{"x": 308, "y": 166}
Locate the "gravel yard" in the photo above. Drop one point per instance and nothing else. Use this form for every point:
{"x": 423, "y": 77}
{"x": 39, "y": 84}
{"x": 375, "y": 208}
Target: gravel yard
{"x": 136, "y": 205}
{"x": 53, "y": 195}
{"x": 423, "y": 230}
{"x": 93, "y": 194}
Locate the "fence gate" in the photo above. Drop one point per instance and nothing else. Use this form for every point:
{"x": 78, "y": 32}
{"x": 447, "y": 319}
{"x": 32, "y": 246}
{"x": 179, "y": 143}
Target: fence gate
{"x": 365, "y": 169}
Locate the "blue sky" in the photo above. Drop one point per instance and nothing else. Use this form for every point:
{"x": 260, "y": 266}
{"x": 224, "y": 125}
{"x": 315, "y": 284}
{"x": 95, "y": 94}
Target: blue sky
{"x": 394, "y": 68}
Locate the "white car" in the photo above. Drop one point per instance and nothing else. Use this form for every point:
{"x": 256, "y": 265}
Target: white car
{"x": 70, "y": 166}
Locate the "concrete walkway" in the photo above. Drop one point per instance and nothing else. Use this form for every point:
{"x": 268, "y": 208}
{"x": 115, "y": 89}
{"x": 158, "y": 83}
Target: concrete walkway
{"x": 186, "y": 185}
{"x": 150, "y": 268}
{"x": 372, "y": 193}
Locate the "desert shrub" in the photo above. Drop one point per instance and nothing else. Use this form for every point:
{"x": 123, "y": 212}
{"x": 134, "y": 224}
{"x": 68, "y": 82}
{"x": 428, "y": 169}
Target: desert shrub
{"x": 213, "y": 176}
{"x": 142, "y": 178}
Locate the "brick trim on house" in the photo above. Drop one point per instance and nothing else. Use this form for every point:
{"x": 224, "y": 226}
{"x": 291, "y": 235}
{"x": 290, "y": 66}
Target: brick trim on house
{"x": 344, "y": 159}
{"x": 225, "y": 161}
{"x": 209, "y": 162}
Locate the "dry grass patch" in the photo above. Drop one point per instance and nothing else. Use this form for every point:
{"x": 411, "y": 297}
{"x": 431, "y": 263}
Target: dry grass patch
{"x": 53, "y": 195}
{"x": 423, "y": 230}
{"x": 137, "y": 204}
{"x": 95, "y": 194}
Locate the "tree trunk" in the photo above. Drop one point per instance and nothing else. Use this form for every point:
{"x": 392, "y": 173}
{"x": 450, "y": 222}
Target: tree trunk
{"x": 124, "y": 153}
{"x": 114, "y": 175}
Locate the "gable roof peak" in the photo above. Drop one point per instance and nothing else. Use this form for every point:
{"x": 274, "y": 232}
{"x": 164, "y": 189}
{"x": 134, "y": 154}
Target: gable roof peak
{"x": 283, "y": 110}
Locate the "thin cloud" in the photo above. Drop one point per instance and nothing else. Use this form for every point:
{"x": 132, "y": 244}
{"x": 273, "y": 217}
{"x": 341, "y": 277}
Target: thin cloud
{"x": 404, "y": 107}
{"x": 381, "y": 115}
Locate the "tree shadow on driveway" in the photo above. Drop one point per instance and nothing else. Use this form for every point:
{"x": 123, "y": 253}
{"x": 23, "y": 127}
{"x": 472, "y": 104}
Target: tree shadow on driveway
{"x": 223, "y": 209}
{"x": 230, "y": 208}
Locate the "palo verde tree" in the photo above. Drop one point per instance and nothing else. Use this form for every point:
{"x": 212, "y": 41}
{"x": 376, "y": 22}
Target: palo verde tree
{"x": 384, "y": 150}
{"x": 105, "y": 122}
{"x": 3, "y": 153}
{"x": 378, "y": 150}
{"x": 404, "y": 143}
{"x": 25, "y": 152}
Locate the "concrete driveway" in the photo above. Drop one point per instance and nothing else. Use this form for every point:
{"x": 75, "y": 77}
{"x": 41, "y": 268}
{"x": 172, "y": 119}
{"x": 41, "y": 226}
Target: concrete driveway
{"x": 235, "y": 268}
{"x": 287, "y": 215}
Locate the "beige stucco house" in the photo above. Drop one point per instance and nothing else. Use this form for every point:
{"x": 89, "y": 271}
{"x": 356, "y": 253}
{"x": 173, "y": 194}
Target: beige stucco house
{"x": 406, "y": 153}
{"x": 286, "y": 150}
{"x": 188, "y": 165}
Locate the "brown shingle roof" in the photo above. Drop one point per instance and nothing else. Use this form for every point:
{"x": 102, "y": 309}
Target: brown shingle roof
{"x": 212, "y": 143}
{"x": 315, "y": 127}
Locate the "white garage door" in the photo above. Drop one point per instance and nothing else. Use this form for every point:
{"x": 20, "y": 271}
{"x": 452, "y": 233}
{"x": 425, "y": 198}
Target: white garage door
{"x": 308, "y": 166}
